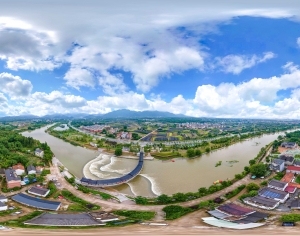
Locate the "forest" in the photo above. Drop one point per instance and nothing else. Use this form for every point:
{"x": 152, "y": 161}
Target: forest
{"x": 15, "y": 148}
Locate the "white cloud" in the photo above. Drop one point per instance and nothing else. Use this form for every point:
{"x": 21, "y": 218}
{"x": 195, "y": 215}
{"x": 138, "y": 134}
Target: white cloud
{"x": 78, "y": 77}
{"x": 237, "y": 63}
{"x": 14, "y": 86}
{"x": 298, "y": 42}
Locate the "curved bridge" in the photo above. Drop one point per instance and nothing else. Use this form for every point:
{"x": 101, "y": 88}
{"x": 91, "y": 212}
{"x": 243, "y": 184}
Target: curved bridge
{"x": 116, "y": 181}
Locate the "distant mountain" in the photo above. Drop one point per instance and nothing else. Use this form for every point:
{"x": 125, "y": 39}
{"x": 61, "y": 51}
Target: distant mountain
{"x": 124, "y": 113}
{"x": 18, "y": 118}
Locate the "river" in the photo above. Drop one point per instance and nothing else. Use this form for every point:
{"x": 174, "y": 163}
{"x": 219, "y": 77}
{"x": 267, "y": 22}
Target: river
{"x": 157, "y": 177}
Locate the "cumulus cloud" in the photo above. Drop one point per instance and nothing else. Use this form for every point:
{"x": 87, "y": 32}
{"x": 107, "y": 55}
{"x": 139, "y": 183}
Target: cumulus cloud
{"x": 235, "y": 64}
{"x": 14, "y": 86}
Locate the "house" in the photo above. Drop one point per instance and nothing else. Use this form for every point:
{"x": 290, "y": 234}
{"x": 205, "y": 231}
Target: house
{"x": 262, "y": 202}
{"x": 276, "y": 184}
{"x": 19, "y": 169}
{"x": 289, "y": 160}
{"x": 289, "y": 145}
{"x": 293, "y": 169}
{"x": 39, "y": 169}
{"x": 39, "y": 152}
{"x": 288, "y": 177}
{"x": 274, "y": 194}
{"x": 295, "y": 204}
{"x": 277, "y": 165}
{"x": 12, "y": 179}
{"x": 234, "y": 210}
{"x": 3, "y": 207}
{"x": 3, "y": 199}
{"x": 297, "y": 162}
{"x": 39, "y": 191}
{"x": 31, "y": 170}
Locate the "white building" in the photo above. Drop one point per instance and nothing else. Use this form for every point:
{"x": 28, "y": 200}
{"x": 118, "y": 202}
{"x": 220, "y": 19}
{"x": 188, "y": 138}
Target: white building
{"x": 39, "y": 152}
{"x": 3, "y": 199}
{"x": 3, "y": 207}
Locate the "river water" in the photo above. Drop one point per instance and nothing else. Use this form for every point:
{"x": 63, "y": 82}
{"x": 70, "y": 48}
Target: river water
{"x": 157, "y": 177}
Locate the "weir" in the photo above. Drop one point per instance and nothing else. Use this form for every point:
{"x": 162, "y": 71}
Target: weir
{"x": 116, "y": 181}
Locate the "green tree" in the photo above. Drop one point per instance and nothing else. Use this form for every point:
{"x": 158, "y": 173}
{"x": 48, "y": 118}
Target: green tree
{"x": 190, "y": 152}
{"x": 252, "y": 162}
{"x": 198, "y": 152}
{"x": 252, "y": 186}
{"x": 247, "y": 169}
{"x": 258, "y": 169}
{"x": 118, "y": 151}
{"x": 141, "y": 200}
{"x": 164, "y": 199}
{"x": 207, "y": 149}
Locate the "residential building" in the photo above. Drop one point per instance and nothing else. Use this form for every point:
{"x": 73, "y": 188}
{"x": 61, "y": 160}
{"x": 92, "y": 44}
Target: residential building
{"x": 31, "y": 169}
{"x": 288, "y": 177}
{"x": 288, "y": 160}
{"x": 39, "y": 152}
{"x": 19, "y": 169}
{"x": 277, "y": 165}
{"x": 276, "y": 184}
{"x": 297, "y": 162}
{"x": 295, "y": 204}
{"x": 262, "y": 202}
{"x": 274, "y": 194}
{"x": 39, "y": 169}
{"x": 12, "y": 179}
{"x": 3, "y": 207}
{"x": 3, "y": 199}
{"x": 289, "y": 145}
{"x": 293, "y": 169}
{"x": 39, "y": 191}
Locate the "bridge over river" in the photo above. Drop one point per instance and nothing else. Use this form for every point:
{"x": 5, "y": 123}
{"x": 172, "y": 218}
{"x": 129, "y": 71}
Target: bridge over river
{"x": 116, "y": 181}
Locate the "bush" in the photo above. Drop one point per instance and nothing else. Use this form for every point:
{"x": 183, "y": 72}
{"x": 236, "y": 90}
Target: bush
{"x": 84, "y": 189}
{"x": 78, "y": 200}
{"x": 250, "y": 194}
{"x": 290, "y": 217}
{"x": 252, "y": 186}
{"x": 209, "y": 205}
{"x": 175, "y": 211}
{"x": 137, "y": 215}
{"x": 235, "y": 192}
{"x": 264, "y": 183}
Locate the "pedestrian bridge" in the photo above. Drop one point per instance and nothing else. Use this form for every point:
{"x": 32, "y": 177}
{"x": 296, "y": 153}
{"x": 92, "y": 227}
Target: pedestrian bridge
{"x": 116, "y": 181}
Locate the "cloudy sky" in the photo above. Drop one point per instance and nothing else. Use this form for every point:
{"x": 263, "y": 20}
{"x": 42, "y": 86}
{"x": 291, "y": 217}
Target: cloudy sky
{"x": 200, "y": 58}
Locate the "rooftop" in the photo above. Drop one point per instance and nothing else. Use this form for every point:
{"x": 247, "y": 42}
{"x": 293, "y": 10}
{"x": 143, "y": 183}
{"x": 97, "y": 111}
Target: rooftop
{"x": 38, "y": 190}
{"x": 293, "y": 168}
{"x": 276, "y": 183}
{"x": 272, "y": 193}
{"x": 18, "y": 166}
{"x": 277, "y": 161}
{"x": 11, "y": 175}
{"x": 288, "y": 177}
{"x": 234, "y": 210}
{"x": 36, "y": 202}
{"x": 259, "y": 200}
{"x": 82, "y": 219}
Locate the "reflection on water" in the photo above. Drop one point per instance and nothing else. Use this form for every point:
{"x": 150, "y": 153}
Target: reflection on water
{"x": 182, "y": 175}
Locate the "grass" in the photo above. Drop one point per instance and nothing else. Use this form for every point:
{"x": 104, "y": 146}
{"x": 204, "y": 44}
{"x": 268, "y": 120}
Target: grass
{"x": 174, "y": 211}
{"x": 137, "y": 215}
{"x": 7, "y": 212}
{"x": 19, "y": 221}
{"x": 87, "y": 205}
{"x": 105, "y": 196}
{"x": 76, "y": 207}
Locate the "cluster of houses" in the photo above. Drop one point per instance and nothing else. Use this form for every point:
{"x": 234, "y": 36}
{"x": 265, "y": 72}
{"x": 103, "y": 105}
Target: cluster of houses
{"x": 278, "y": 192}
{"x": 124, "y": 135}
{"x": 234, "y": 216}
{"x": 13, "y": 174}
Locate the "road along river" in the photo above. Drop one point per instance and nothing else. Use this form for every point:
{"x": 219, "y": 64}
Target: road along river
{"x": 157, "y": 177}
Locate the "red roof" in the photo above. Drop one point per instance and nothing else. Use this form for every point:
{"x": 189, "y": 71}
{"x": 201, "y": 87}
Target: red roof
{"x": 290, "y": 189}
{"x": 18, "y": 166}
{"x": 288, "y": 177}
{"x": 294, "y": 168}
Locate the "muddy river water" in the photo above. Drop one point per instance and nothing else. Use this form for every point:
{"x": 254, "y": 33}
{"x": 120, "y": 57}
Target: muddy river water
{"x": 180, "y": 175}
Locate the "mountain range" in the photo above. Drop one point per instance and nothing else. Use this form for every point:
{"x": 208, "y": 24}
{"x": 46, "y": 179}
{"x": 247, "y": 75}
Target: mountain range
{"x": 123, "y": 113}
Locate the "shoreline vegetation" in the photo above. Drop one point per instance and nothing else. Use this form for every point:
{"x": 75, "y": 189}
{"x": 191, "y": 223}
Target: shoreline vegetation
{"x": 197, "y": 149}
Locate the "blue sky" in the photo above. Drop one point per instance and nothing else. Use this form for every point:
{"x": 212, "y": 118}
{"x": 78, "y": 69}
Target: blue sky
{"x": 234, "y": 60}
